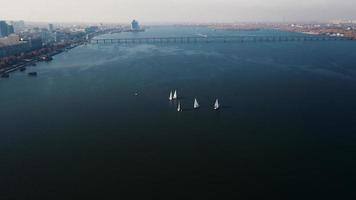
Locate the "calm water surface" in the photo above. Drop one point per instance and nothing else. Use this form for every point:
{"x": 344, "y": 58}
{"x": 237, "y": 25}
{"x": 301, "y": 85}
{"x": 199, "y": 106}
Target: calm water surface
{"x": 286, "y": 128}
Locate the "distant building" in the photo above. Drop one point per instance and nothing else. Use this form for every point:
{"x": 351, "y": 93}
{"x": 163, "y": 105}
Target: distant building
{"x": 35, "y": 43}
{"x": 14, "y": 49}
{"x": 18, "y": 26}
{"x": 17, "y": 48}
{"x": 9, "y": 40}
{"x": 50, "y": 27}
{"x": 3, "y": 29}
{"x": 55, "y": 37}
{"x": 135, "y": 26}
{"x": 10, "y": 29}
{"x": 91, "y": 29}
{"x": 47, "y": 36}
{"x": 12, "y": 45}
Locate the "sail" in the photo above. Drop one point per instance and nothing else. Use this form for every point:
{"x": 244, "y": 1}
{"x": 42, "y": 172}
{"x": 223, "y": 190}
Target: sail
{"x": 175, "y": 94}
{"x": 179, "y": 108}
{"x": 196, "y": 104}
{"x": 170, "y": 96}
{"x": 216, "y": 105}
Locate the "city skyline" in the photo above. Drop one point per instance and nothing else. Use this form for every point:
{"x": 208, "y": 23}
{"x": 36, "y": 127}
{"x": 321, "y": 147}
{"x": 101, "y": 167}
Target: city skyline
{"x": 159, "y": 11}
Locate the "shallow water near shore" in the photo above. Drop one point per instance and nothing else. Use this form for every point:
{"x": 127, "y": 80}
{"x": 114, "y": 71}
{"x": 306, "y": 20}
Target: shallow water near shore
{"x": 287, "y": 123}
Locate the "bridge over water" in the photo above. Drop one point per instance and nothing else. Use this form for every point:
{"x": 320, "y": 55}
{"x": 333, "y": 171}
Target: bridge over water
{"x": 221, "y": 39}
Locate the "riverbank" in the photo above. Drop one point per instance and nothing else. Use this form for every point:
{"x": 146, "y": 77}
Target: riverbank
{"x": 310, "y": 29}
{"x": 34, "y": 57}
{"x": 14, "y": 62}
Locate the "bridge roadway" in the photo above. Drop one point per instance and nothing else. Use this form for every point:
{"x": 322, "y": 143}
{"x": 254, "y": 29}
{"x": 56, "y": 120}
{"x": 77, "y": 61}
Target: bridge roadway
{"x": 223, "y": 39}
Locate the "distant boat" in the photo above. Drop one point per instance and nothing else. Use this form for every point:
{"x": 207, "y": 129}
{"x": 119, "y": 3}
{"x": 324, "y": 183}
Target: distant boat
{"x": 22, "y": 69}
{"x": 196, "y": 104}
{"x": 5, "y": 75}
{"x": 46, "y": 58}
{"x": 32, "y": 74}
{"x": 175, "y": 94}
{"x": 216, "y": 105}
{"x": 170, "y": 96}
{"x": 179, "y": 109}
{"x": 202, "y": 35}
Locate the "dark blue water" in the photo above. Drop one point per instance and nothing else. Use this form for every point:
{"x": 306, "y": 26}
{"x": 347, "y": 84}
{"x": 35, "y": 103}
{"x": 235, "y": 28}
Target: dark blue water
{"x": 286, "y": 128}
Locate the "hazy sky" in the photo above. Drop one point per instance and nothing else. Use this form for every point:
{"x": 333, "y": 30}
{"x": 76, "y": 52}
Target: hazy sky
{"x": 176, "y": 10}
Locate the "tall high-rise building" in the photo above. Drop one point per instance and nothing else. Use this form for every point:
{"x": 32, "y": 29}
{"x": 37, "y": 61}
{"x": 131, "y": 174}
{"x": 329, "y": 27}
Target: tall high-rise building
{"x": 10, "y": 29}
{"x": 135, "y": 26}
{"x": 3, "y": 29}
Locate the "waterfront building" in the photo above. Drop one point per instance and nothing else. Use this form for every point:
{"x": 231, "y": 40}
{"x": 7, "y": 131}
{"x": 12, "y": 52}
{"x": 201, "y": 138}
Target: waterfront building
{"x": 47, "y": 36}
{"x": 35, "y": 43}
{"x": 9, "y": 40}
{"x": 14, "y": 49}
{"x": 135, "y": 26}
{"x": 12, "y": 45}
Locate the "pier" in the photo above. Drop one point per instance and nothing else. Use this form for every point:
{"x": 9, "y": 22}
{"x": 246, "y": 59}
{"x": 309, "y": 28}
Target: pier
{"x": 215, "y": 39}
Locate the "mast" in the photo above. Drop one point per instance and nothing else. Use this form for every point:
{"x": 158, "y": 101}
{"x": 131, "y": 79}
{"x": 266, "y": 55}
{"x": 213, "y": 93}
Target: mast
{"x": 179, "y": 109}
{"x": 170, "y": 96}
{"x": 196, "y": 104}
{"x": 175, "y": 94}
{"x": 216, "y": 105}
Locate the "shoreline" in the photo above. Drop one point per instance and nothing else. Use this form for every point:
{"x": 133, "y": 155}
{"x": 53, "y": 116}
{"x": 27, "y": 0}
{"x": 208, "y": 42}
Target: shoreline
{"x": 47, "y": 57}
{"x": 40, "y": 58}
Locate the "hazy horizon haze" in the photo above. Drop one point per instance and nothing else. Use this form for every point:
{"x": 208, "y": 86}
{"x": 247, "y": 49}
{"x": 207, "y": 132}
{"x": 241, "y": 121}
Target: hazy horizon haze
{"x": 156, "y": 11}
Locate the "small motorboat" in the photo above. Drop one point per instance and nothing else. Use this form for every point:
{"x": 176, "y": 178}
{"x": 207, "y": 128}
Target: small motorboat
{"x": 32, "y": 74}
{"x": 5, "y": 75}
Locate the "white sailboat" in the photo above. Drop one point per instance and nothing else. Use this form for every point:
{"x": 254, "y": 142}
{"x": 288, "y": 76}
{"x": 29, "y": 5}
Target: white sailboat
{"x": 170, "y": 96}
{"x": 216, "y": 105}
{"x": 179, "y": 109}
{"x": 175, "y": 94}
{"x": 196, "y": 104}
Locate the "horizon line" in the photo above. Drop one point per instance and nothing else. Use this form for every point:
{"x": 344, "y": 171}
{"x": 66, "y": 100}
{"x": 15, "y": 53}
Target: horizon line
{"x": 178, "y": 22}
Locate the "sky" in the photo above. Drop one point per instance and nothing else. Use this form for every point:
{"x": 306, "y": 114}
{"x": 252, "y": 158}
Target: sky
{"x": 157, "y": 11}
